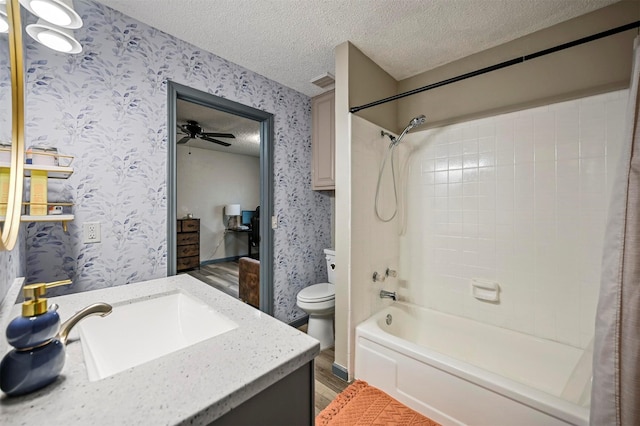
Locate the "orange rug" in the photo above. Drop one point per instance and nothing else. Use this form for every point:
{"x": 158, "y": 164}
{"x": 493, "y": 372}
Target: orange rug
{"x": 364, "y": 405}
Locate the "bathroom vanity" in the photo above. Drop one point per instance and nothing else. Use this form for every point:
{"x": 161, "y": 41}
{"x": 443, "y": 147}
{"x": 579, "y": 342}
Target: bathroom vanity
{"x": 260, "y": 372}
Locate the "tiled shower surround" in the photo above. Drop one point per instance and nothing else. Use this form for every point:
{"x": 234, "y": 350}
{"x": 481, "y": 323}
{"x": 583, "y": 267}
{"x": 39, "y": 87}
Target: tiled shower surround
{"x": 519, "y": 199}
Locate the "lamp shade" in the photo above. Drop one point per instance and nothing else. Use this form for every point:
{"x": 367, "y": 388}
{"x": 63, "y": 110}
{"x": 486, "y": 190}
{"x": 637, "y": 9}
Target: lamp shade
{"x": 232, "y": 209}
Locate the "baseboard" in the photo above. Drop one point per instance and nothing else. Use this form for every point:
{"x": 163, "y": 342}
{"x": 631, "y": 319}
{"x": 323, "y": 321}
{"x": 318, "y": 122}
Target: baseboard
{"x": 299, "y": 322}
{"x": 229, "y": 259}
{"x": 224, "y": 259}
{"x": 340, "y": 372}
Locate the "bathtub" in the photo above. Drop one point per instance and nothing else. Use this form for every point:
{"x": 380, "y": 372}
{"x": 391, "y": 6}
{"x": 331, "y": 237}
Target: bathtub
{"x": 459, "y": 371}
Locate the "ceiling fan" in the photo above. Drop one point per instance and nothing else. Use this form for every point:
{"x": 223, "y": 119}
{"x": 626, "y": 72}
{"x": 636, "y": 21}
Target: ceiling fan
{"x": 193, "y": 131}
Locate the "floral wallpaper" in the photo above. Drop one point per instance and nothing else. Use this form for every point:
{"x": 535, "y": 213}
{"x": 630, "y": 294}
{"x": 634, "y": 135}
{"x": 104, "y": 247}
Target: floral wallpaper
{"x": 11, "y": 265}
{"x": 108, "y": 107}
{"x": 5, "y": 90}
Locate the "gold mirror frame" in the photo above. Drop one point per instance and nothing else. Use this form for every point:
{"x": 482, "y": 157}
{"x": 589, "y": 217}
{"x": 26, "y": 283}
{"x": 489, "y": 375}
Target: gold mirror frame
{"x": 11, "y": 224}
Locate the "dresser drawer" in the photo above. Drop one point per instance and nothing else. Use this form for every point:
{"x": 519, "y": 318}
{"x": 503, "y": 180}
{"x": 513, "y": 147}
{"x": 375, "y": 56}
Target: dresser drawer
{"x": 190, "y": 225}
{"x": 188, "y": 262}
{"x": 188, "y": 238}
{"x": 188, "y": 250}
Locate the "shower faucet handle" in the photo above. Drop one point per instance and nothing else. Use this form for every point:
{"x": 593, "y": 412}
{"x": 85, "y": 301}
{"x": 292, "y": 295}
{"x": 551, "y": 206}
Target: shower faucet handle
{"x": 391, "y": 273}
{"x": 378, "y": 277}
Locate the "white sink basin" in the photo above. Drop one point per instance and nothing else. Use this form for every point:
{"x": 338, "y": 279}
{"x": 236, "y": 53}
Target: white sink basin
{"x": 142, "y": 331}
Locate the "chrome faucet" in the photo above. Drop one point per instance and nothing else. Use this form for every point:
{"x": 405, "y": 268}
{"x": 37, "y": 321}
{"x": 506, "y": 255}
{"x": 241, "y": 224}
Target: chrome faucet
{"x": 388, "y": 295}
{"x": 101, "y": 309}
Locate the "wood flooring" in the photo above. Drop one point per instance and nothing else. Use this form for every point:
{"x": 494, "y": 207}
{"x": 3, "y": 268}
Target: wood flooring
{"x": 223, "y": 276}
{"x": 327, "y": 385}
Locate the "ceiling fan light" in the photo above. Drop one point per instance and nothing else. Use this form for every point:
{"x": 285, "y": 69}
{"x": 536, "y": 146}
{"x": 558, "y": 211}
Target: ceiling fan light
{"x": 57, "y": 12}
{"x": 58, "y": 39}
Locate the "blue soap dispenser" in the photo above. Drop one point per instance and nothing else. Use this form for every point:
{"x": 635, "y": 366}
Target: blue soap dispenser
{"x": 39, "y": 355}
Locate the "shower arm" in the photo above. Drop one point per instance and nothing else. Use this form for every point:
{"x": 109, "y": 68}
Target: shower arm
{"x": 416, "y": 121}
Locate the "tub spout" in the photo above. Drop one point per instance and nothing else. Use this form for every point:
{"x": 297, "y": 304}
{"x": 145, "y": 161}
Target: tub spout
{"x": 101, "y": 309}
{"x": 388, "y": 295}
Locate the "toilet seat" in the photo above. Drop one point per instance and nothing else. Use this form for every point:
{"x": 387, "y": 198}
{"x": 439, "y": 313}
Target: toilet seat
{"x": 317, "y": 293}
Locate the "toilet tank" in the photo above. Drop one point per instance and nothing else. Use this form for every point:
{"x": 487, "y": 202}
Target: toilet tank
{"x": 330, "y": 256}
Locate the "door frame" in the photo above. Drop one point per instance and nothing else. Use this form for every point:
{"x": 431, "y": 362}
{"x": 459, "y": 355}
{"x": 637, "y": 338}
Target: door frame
{"x": 177, "y": 91}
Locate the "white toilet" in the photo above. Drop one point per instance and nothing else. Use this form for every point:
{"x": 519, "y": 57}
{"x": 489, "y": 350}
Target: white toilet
{"x": 319, "y": 302}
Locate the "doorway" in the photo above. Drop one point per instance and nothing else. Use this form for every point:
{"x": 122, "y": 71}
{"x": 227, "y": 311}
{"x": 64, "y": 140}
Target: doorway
{"x": 178, "y": 93}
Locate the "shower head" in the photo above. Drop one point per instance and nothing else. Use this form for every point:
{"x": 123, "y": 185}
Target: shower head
{"x": 415, "y": 122}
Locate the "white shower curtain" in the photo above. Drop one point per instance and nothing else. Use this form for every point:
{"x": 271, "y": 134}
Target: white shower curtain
{"x": 615, "y": 396}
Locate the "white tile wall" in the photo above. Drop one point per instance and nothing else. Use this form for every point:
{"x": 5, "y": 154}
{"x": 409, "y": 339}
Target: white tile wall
{"x": 521, "y": 199}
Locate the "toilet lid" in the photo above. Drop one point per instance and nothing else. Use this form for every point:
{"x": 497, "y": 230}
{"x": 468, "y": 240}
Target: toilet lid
{"x": 317, "y": 293}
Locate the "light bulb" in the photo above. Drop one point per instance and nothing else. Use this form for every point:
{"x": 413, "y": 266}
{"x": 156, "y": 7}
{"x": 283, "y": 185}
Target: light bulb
{"x": 55, "y": 41}
{"x": 52, "y": 12}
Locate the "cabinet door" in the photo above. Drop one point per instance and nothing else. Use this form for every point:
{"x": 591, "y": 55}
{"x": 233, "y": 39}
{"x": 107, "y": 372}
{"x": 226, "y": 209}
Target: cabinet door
{"x": 323, "y": 141}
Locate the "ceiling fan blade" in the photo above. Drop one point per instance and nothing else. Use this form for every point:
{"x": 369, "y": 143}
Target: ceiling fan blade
{"x": 184, "y": 140}
{"x": 214, "y": 140}
{"x": 218, "y": 135}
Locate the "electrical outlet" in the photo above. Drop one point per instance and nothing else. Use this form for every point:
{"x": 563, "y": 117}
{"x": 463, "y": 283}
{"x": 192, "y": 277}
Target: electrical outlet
{"x": 91, "y": 232}
{"x": 274, "y": 222}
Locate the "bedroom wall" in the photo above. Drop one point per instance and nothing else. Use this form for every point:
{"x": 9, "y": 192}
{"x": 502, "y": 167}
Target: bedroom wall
{"x": 207, "y": 180}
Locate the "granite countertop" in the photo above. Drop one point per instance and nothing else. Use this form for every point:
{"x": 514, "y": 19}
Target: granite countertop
{"x": 195, "y": 385}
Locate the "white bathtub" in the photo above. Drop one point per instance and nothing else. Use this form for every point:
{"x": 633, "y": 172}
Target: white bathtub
{"x": 459, "y": 371}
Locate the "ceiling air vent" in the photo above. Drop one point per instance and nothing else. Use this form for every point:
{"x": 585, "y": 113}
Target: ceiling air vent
{"x": 324, "y": 81}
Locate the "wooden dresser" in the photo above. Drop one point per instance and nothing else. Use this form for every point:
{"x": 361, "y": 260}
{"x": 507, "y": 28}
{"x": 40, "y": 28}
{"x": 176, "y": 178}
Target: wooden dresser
{"x": 188, "y": 244}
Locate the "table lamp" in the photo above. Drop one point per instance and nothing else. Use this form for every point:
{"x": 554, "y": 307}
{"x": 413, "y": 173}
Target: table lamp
{"x": 233, "y": 211}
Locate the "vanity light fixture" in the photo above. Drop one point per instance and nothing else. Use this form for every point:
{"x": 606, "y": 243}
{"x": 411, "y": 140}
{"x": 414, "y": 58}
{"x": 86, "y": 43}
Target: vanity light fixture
{"x": 57, "y": 12}
{"x": 59, "y": 39}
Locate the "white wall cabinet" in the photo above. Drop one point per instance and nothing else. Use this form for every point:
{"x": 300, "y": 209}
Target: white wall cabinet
{"x": 323, "y": 134}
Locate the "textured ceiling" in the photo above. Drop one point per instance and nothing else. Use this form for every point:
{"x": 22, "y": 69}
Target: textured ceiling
{"x": 246, "y": 131}
{"x": 292, "y": 41}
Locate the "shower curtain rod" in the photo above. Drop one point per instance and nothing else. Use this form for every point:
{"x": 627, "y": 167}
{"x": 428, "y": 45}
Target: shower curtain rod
{"x": 501, "y": 65}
